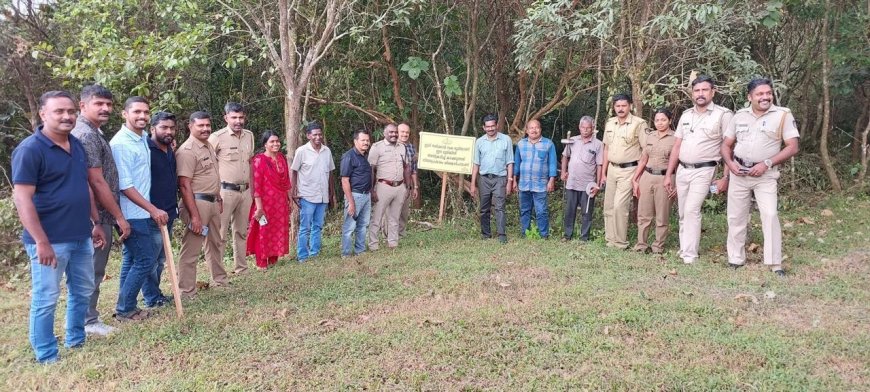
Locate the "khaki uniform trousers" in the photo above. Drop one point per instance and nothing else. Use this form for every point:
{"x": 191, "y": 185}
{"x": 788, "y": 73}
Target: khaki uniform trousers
{"x": 405, "y": 214}
{"x": 653, "y": 203}
{"x": 739, "y": 203}
{"x": 192, "y": 243}
{"x": 617, "y": 203}
{"x": 390, "y": 200}
{"x": 692, "y": 188}
{"x": 237, "y": 208}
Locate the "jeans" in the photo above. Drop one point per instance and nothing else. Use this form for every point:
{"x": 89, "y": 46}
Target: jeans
{"x": 356, "y": 224}
{"x": 138, "y": 261}
{"x": 76, "y": 260}
{"x": 151, "y": 288}
{"x": 310, "y": 223}
{"x": 542, "y": 215}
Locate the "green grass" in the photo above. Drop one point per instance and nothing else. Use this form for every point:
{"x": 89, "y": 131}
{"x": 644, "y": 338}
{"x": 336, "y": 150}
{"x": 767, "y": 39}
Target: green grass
{"x": 447, "y": 311}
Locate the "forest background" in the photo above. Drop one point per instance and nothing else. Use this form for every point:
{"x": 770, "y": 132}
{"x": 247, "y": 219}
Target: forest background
{"x": 441, "y": 65}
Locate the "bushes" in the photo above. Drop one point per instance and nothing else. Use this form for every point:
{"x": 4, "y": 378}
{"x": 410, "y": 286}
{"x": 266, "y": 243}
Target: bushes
{"x": 12, "y": 255}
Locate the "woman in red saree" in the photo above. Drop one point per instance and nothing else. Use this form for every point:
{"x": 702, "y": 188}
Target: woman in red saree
{"x": 268, "y": 228}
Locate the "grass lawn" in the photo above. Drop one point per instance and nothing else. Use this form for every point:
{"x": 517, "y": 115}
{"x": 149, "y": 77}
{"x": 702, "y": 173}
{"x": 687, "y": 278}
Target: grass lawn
{"x": 448, "y": 311}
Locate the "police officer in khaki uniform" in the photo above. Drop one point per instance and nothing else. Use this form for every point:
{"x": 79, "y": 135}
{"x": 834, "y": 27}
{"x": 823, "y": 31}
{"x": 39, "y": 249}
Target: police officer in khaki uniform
{"x": 199, "y": 184}
{"x": 623, "y": 136}
{"x": 234, "y": 147}
{"x": 752, "y": 150}
{"x": 653, "y": 200}
{"x": 388, "y": 158}
{"x": 696, "y": 151}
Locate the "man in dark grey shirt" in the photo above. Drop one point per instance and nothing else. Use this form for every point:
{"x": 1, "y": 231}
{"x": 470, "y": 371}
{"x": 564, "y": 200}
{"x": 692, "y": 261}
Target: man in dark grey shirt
{"x": 95, "y": 107}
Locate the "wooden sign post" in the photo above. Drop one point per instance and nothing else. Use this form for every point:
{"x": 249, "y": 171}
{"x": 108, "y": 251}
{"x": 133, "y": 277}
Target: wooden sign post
{"x": 445, "y": 154}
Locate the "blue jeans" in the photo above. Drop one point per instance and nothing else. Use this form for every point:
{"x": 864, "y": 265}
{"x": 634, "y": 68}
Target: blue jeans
{"x": 311, "y": 217}
{"x": 542, "y": 215}
{"x": 151, "y": 288}
{"x": 76, "y": 259}
{"x": 138, "y": 261}
{"x": 356, "y": 224}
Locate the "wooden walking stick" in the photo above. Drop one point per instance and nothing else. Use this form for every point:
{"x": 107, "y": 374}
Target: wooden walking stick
{"x": 170, "y": 263}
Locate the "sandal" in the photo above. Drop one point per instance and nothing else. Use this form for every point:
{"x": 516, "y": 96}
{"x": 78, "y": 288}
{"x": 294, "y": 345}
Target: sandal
{"x": 136, "y": 315}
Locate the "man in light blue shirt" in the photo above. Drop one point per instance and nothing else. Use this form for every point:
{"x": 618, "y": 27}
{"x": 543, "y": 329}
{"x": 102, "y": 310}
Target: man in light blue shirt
{"x": 493, "y": 166}
{"x": 142, "y": 247}
{"x": 536, "y": 176}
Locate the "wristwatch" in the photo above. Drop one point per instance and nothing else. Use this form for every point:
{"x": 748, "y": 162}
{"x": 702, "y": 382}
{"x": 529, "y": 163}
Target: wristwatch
{"x": 769, "y": 163}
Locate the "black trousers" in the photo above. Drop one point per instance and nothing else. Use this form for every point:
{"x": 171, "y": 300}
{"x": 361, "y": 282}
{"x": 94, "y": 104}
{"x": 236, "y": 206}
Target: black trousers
{"x": 573, "y": 200}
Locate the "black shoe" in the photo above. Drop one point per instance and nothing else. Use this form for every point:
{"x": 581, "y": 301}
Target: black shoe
{"x": 485, "y": 237}
{"x": 735, "y": 266}
{"x": 780, "y": 273}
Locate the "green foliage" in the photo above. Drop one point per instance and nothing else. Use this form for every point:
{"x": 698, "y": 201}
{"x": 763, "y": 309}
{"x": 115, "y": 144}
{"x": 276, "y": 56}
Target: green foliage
{"x": 451, "y": 86}
{"x": 132, "y": 49}
{"x": 415, "y": 66}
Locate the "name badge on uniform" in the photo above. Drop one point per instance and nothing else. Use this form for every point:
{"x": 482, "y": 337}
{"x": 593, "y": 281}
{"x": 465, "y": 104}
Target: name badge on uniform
{"x": 742, "y": 127}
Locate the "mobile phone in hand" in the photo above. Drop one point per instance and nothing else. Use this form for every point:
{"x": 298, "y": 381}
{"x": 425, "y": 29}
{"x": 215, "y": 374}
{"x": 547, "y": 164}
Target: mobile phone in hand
{"x": 263, "y": 220}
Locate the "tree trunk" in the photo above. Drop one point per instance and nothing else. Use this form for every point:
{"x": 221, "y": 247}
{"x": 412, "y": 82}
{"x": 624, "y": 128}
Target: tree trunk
{"x": 864, "y": 146}
{"x": 292, "y": 120}
{"x": 826, "y": 101}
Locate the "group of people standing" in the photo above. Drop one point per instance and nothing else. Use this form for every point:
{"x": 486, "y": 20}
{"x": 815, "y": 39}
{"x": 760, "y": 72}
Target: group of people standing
{"x": 73, "y": 187}
{"x": 655, "y": 165}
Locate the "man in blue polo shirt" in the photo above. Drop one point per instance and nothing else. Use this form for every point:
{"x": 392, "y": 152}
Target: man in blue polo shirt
{"x": 535, "y": 161}
{"x": 164, "y": 194}
{"x": 139, "y": 254}
{"x": 51, "y": 193}
{"x": 356, "y": 182}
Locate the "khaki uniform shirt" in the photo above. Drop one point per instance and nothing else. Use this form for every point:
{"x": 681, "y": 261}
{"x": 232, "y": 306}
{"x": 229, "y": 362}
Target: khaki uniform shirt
{"x": 658, "y": 148}
{"x": 624, "y": 141}
{"x": 702, "y": 133}
{"x": 234, "y": 154}
{"x": 757, "y": 136}
{"x": 196, "y": 160}
{"x": 388, "y": 160}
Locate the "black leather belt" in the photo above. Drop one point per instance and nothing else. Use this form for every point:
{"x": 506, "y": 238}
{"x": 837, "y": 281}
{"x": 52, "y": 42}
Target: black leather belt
{"x": 655, "y": 172}
{"x": 205, "y": 197}
{"x": 234, "y": 187}
{"x": 624, "y": 165}
{"x": 492, "y": 176}
{"x": 746, "y": 164}
{"x": 699, "y": 165}
{"x": 391, "y": 183}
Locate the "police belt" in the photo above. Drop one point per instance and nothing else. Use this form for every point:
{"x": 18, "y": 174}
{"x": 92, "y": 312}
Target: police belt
{"x": 234, "y": 187}
{"x": 655, "y": 172}
{"x": 745, "y": 163}
{"x": 205, "y": 197}
{"x": 391, "y": 183}
{"x": 699, "y": 165}
{"x": 625, "y": 165}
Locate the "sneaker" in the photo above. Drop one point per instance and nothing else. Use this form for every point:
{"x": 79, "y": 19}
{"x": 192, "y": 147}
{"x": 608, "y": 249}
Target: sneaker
{"x": 163, "y": 301}
{"x": 689, "y": 260}
{"x": 779, "y": 273}
{"x": 99, "y": 328}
